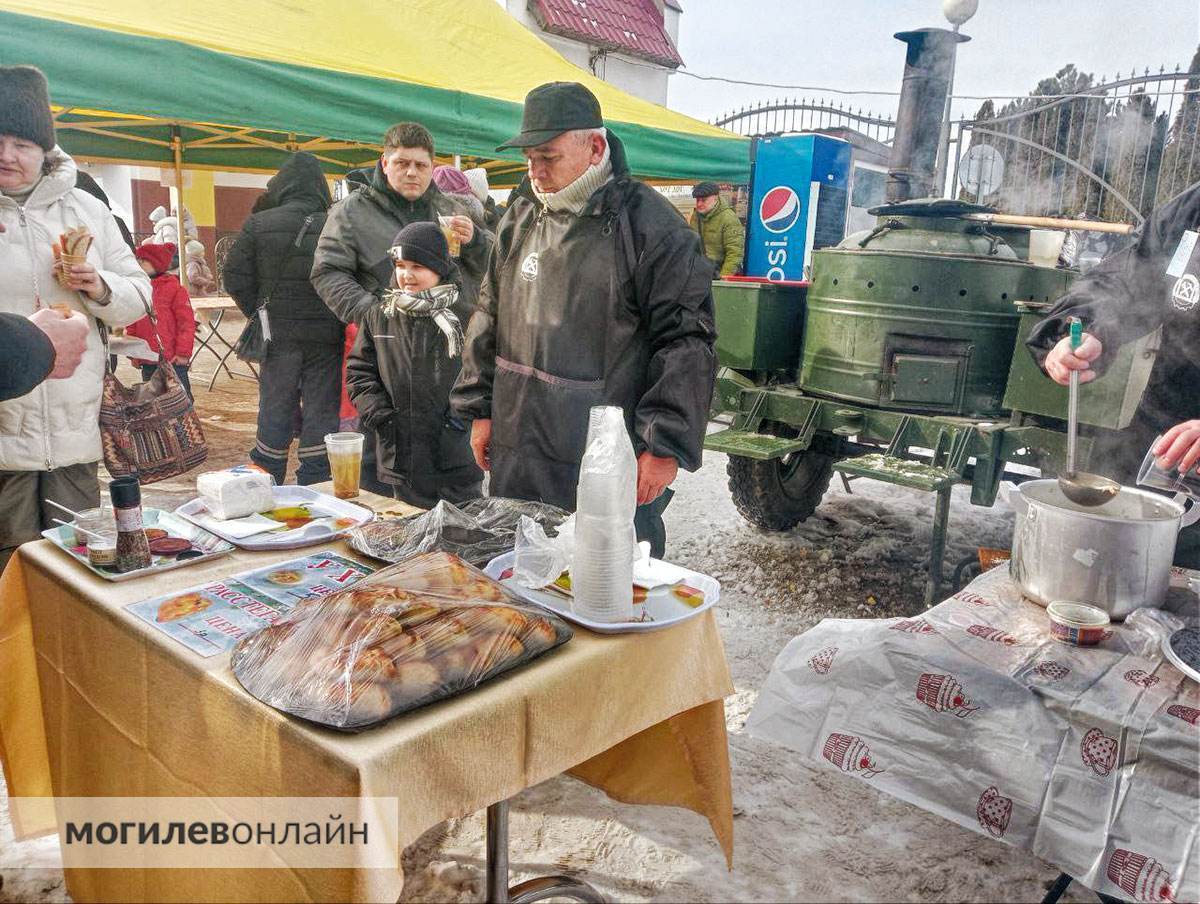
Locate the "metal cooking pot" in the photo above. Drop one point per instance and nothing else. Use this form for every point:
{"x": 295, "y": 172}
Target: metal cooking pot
{"x": 1116, "y": 556}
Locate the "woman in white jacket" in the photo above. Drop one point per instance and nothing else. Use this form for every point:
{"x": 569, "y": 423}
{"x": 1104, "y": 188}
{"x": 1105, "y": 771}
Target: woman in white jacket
{"x": 50, "y": 437}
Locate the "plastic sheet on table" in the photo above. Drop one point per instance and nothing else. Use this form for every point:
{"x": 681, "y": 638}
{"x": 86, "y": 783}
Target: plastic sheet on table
{"x": 1087, "y": 757}
{"x": 408, "y": 635}
{"x": 477, "y": 531}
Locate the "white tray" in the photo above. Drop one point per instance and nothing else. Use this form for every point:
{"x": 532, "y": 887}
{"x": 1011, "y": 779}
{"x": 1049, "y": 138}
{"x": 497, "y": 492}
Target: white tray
{"x": 211, "y": 546}
{"x": 1187, "y": 637}
{"x": 291, "y": 539}
{"x": 662, "y": 607}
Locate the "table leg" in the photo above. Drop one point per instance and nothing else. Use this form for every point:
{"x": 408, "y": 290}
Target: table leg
{"x": 1063, "y": 882}
{"x": 1058, "y": 889}
{"x": 538, "y": 889}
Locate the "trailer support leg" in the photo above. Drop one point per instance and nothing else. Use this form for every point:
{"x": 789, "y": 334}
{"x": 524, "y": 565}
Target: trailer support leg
{"x": 937, "y": 550}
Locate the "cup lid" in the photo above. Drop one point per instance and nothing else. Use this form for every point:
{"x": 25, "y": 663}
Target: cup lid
{"x": 1080, "y": 615}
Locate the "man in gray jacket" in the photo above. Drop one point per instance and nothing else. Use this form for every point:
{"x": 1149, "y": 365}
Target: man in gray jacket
{"x": 352, "y": 267}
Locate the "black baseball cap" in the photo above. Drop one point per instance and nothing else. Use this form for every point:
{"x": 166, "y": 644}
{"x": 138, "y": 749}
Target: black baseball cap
{"x": 554, "y": 108}
{"x": 706, "y": 190}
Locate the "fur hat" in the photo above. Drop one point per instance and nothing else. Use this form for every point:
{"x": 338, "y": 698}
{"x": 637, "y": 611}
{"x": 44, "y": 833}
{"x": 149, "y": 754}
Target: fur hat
{"x": 25, "y": 112}
{"x": 195, "y": 248}
{"x": 423, "y": 243}
{"x": 477, "y": 176}
{"x": 159, "y": 256}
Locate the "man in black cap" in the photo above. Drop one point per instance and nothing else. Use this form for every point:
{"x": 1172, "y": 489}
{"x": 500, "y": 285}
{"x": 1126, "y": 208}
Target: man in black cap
{"x": 722, "y": 236}
{"x": 596, "y": 294}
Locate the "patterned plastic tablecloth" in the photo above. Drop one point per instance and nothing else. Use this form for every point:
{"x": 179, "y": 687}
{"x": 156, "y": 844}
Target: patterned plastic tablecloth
{"x": 1087, "y": 757}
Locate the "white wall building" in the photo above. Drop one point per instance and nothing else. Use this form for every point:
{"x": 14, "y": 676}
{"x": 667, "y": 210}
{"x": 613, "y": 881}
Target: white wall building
{"x": 631, "y": 44}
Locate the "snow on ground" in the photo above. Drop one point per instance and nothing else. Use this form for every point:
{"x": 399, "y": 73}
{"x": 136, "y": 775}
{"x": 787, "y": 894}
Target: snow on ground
{"x": 801, "y": 834}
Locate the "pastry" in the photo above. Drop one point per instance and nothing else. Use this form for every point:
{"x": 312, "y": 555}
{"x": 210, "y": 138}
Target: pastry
{"x": 539, "y": 635}
{"x": 496, "y": 618}
{"x": 405, "y": 636}
{"x": 416, "y": 680}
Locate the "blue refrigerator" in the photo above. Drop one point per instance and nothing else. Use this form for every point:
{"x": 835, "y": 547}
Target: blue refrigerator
{"x": 798, "y": 201}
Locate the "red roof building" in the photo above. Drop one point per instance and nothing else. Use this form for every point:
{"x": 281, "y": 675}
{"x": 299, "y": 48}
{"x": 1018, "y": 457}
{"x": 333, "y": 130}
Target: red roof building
{"x": 632, "y": 27}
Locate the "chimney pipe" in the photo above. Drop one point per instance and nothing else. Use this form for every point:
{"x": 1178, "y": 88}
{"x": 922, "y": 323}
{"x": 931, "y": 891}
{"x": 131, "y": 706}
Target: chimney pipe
{"x": 928, "y": 65}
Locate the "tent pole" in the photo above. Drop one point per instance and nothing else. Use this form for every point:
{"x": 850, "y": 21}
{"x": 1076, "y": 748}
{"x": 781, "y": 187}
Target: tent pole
{"x": 458, "y": 161}
{"x": 177, "y": 149}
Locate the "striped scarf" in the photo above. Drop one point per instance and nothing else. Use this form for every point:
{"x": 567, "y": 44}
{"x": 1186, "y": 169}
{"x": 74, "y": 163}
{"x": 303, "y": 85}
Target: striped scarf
{"x": 435, "y": 303}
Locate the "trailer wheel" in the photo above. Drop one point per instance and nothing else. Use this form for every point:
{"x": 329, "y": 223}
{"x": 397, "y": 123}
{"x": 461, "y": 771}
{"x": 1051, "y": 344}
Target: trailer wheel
{"x": 779, "y": 494}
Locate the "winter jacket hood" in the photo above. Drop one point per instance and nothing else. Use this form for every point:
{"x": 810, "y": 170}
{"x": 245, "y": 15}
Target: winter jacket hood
{"x": 299, "y": 180}
{"x": 272, "y": 257}
{"x": 57, "y": 423}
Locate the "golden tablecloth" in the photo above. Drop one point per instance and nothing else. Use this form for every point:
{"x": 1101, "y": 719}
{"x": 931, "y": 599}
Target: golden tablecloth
{"x": 128, "y": 712}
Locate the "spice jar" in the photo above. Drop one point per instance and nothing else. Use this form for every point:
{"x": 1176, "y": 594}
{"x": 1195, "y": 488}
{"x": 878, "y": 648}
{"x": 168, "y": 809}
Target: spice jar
{"x": 133, "y": 549}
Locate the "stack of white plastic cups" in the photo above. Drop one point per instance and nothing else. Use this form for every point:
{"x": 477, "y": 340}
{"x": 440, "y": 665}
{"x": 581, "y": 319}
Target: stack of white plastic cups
{"x": 602, "y": 568}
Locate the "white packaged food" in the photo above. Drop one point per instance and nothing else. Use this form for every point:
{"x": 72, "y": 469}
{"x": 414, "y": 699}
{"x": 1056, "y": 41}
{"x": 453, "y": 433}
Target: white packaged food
{"x": 236, "y": 492}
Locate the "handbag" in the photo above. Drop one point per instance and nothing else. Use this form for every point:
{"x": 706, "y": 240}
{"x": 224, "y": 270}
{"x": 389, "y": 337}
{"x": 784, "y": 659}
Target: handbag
{"x": 149, "y": 430}
{"x": 252, "y": 343}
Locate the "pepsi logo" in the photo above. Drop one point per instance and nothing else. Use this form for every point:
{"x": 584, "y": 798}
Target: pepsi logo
{"x": 779, "y": 209}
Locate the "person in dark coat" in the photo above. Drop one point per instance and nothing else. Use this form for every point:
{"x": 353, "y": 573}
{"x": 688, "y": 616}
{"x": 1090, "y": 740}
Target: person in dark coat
{"x": 404, "y": 363}
{"x": 43, "y": 346}
{"x": 352, "y": 267}
{"x": 1154, "y": 284}
{"x": 597, "y": 294}
{"x": 269, "y": 264}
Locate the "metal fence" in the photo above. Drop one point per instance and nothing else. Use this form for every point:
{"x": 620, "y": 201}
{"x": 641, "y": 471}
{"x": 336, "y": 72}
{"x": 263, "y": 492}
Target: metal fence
{"x": 784, "y": 117}
{"x": 1109, "y": 151}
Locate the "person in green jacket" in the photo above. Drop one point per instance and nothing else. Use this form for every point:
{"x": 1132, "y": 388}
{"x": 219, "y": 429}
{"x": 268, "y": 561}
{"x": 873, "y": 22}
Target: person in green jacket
{"x": 722, "y": 236}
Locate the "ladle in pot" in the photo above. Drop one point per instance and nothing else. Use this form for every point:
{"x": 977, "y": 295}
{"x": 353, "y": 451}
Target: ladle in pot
{"x": 1080, "y": 487}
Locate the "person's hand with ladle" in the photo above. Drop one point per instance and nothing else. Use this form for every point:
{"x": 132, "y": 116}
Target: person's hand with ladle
{"x": 1180, "y": 447}
{"x": 1062, "y": 359}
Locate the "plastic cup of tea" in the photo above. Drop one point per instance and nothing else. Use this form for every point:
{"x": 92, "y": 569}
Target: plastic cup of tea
{"x": 1150, "y": 474}
{"x": 96, "y": 520}
{"x": 452, "y": 239}
{"x": 345, "y": 451}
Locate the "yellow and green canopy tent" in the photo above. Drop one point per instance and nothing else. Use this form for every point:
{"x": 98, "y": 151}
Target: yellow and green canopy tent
{"x": 237, "y": 84}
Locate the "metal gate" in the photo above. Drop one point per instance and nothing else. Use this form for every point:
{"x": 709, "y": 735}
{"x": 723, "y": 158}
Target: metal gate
{"x": 1110, "y": 151}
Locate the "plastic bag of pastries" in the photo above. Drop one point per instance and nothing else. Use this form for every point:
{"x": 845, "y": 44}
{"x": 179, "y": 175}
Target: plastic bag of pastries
{"x": 420, "y": 631}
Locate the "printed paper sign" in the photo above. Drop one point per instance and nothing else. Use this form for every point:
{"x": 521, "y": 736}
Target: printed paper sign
{"x": 210, "y": 618}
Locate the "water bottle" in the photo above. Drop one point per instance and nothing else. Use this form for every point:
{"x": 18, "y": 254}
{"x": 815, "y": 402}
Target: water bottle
{"x": 602, "y": 568}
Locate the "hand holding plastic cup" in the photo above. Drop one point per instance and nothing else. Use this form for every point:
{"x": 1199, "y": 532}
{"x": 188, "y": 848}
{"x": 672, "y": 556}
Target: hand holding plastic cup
{"x": 452, "y": 239}
{"x": 1151, "y": 474}
{"x": 345, "y": 452}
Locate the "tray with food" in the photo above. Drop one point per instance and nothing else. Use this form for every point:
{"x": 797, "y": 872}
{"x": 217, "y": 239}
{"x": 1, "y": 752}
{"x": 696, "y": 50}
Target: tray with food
{"x": 408, "y": 635}
{"x": 663, "y": 595}
{"x": 280, "y": 517}
{"x": 476, "y": 531}
{"x": 174, "y": 543}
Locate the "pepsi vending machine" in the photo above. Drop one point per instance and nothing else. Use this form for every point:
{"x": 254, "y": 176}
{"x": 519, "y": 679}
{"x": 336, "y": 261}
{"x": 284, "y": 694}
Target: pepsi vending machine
{"x": 798, "y": 200}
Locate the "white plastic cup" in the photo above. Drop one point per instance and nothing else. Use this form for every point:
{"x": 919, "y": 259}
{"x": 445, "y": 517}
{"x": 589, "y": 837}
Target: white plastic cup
{"x": 1151, "y": 475}
{"x": 452, "y": 240}
{"x": 1045, "y": 245}
{"x": 345, "y": 451}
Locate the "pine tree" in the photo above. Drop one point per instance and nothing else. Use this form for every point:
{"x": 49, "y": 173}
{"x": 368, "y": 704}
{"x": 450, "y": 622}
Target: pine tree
{"x": 1180, "y": 165}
